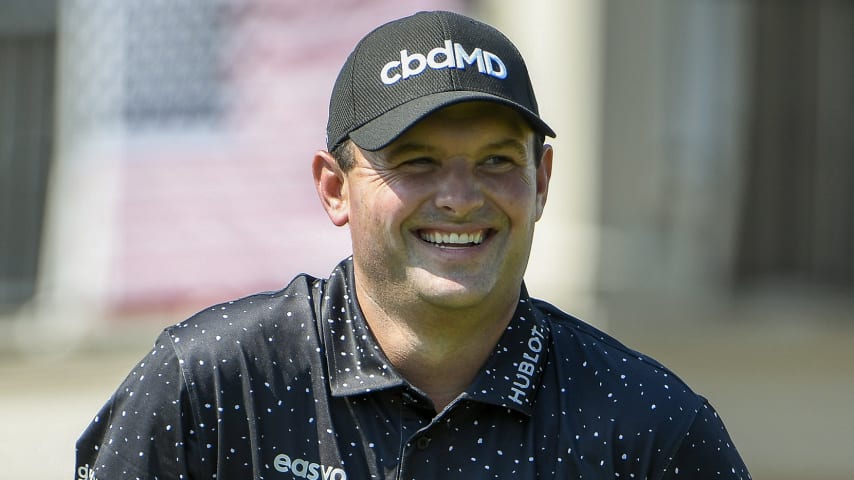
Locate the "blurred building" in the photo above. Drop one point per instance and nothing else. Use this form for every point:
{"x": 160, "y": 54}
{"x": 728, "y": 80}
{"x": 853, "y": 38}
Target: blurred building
{"x": 27, "y": 81}
{"x": 727, "y": 162}
{"x": 154, "y": 154}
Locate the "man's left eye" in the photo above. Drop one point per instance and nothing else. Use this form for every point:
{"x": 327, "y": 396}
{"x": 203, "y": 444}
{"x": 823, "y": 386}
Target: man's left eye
{"x": 498, "y": 160}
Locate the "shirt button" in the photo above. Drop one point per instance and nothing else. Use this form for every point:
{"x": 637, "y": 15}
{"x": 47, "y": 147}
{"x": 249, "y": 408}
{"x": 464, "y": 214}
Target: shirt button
{"x": 422, "y": 443}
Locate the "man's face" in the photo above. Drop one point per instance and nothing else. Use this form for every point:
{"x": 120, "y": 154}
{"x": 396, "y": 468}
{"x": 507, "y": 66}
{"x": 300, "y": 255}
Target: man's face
{"x": 444, "y": 216}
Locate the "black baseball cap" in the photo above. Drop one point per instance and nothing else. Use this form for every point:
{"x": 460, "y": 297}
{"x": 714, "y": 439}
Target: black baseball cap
{"x": 408, "y": 68}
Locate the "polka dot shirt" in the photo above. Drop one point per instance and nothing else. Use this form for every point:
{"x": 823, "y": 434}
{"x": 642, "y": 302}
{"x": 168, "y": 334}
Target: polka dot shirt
{"x": 292, "y": 384}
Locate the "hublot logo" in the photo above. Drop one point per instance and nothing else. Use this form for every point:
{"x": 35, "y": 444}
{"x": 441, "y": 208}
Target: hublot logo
{"x": 527, "y": 367}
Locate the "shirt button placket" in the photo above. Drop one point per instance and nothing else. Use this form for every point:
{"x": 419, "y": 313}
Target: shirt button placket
{"x": 416, "y": 458}
{"x": 417, "y": 461}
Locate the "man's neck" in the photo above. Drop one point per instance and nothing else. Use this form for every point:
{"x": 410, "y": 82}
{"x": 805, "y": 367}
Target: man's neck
{"x": 438, "y": 351}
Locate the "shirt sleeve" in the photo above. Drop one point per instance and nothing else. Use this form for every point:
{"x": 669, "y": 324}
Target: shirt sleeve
{"x": 706, "y": 452}
{"x": 146, "y": 429}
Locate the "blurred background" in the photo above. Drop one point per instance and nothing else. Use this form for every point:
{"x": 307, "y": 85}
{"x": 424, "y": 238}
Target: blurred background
{"x": 154, "y": 160}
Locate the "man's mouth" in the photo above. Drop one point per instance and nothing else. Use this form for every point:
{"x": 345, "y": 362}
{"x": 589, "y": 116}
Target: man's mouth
{"x": 452, "y": 239}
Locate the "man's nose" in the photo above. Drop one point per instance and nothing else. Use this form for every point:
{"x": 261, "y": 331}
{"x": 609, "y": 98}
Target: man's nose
{"x": 459, "y": 192}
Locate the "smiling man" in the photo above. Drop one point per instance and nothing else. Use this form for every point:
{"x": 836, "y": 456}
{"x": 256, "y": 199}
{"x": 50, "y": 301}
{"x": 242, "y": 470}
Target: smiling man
{"x": 422, "y": 356}
{"x": 442, "y": 220}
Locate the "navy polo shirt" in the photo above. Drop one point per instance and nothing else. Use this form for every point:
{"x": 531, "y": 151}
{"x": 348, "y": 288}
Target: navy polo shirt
{"x": 292, "y": 384}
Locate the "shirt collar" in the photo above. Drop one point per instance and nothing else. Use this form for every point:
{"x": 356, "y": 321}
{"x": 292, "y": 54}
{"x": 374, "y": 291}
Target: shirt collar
{"x": 512, "y": 375}
{"x": 357, "y": 364}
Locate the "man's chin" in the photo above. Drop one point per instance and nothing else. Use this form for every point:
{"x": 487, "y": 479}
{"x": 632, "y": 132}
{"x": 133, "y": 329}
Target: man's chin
{"x": 456, "y": 293}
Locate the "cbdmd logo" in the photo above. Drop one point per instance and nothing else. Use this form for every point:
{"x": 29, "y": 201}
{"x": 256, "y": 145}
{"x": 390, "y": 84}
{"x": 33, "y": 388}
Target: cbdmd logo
{"x": 307, "y": 470}
{"x": 451, "y": 55}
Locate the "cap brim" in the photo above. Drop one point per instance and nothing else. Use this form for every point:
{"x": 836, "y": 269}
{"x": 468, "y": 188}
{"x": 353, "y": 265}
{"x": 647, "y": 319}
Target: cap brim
{"x": 384, "y": 129}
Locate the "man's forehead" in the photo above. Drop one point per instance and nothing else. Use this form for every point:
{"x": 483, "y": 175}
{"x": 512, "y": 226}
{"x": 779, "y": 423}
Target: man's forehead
{"x": 497, "y": 118}
{"x": 479, "y": 109}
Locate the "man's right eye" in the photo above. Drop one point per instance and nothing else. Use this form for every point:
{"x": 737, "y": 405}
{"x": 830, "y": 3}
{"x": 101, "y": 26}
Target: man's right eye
{"x": 418, "y": 162}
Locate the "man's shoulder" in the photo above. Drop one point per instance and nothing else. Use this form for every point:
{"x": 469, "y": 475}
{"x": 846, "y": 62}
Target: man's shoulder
{"x": 567, "y": 328}
{"x": 617, "y": 392}
{"x": 608, "y": 364}
{"x": 251, "y": 321}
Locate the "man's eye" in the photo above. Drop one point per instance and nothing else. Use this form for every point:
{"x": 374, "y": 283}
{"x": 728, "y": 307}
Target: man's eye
{"x": 498, "y": 160}
{"x": 418, "y": 162}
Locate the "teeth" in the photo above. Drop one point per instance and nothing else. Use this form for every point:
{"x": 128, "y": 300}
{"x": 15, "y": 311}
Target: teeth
{"x": 453, "y": 238}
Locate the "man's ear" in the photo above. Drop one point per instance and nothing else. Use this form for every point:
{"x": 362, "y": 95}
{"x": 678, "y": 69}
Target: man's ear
{"x": 331, "y": 186}
{"x": 544, "y": 175}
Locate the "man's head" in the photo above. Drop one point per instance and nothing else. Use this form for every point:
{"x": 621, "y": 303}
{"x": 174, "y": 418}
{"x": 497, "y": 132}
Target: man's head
{"x": 441, "y": 179}
{"x": 408, "y": 68}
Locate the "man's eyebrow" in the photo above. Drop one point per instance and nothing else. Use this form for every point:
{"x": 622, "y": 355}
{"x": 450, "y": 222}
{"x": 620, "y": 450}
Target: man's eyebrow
{"x": 410, "y": 148}
{"x": 510, "y": 143}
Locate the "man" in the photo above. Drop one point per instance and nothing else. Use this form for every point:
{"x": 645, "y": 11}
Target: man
{"x": 422, "y": 356}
